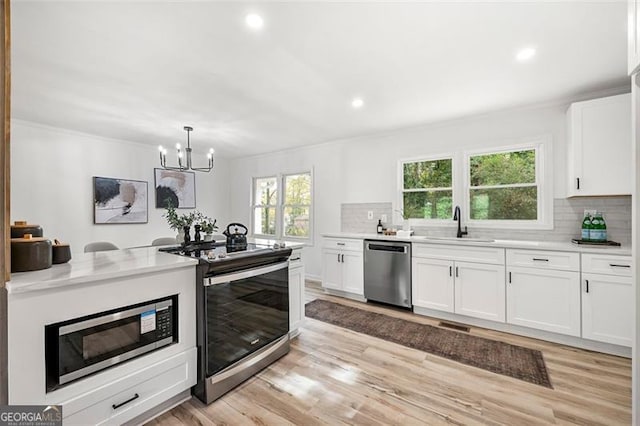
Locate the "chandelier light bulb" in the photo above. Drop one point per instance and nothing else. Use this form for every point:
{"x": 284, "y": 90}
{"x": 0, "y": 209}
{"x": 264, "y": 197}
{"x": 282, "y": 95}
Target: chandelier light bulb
{"x": 164, "y": 151}
{"x": 160, "y": 148}
{"x": 178, "y": 146}
{"x": 185, "y": 157}
{"x": 211, "y": 151}
{"x": 179, "y": 154}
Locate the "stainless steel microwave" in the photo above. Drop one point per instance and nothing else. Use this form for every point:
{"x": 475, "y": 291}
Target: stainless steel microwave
{"x": 79, "y": 347}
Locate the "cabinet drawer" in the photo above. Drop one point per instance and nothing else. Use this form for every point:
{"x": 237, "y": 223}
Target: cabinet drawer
{"x": 343, "y": 244}
{"x": 559, "y": 260}
{"x": 152, "y": 386}
{"x": 459, "y": 252}
{"x": 607, "y": 264}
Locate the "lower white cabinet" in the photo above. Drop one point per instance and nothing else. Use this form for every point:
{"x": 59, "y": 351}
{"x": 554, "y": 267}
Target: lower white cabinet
{"x": 467, "y": 288}
{"x": 432, "y": 283}
{"x": 607, "y": 299}
{"x": 343, "y": 266}
{"x": 296, "y": 291}
{"x": 133, "y": 395}
{"x": 479, "y": 290}
{"x": 544, "y": 299}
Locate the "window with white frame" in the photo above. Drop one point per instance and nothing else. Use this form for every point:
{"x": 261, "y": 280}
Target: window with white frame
{"x": 282, "y": 206}
{"x": 504, "y": 185}
{"x": 427, "y": 188}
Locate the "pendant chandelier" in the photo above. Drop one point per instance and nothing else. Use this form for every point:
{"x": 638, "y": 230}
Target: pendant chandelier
{"x": 184, "y": 157}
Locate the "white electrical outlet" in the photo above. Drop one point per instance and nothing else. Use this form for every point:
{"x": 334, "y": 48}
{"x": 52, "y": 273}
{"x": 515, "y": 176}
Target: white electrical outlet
{"x": 383, "y": 218}
{"x": 370, "y": 214}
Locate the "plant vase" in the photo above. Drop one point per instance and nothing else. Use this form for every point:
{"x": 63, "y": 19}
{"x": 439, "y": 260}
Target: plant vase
{"x": 180, "y": 236}
{"x": 208, "y": 237}
{"x": 406, "y": 226}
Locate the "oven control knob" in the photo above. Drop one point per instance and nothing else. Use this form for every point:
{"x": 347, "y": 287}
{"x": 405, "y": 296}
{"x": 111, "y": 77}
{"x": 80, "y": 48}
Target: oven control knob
{"x": 211, "y": 255}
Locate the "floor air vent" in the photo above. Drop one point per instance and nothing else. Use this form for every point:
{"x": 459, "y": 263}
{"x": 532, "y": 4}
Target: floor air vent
{"x": 454, "y": 326}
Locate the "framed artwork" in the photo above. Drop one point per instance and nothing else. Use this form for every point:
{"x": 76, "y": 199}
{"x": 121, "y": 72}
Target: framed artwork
{"x": 119, "y": 201}
{"x": 175, "y": 188}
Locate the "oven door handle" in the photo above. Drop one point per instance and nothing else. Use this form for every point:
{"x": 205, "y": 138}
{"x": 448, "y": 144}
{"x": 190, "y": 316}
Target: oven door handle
{"x": 248, "y": 273}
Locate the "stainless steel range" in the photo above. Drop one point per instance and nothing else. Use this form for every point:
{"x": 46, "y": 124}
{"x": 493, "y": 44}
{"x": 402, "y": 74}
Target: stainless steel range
{"x": 242, "y": 312}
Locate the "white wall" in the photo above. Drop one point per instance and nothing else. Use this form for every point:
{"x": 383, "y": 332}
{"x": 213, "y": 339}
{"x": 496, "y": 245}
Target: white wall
{"x": 364, "y": 169}
{"x": 51, "y": 185}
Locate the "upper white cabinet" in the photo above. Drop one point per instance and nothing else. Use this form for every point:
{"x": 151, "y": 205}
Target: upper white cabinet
{"x": 342, "y": 265}
{"x": 599, "y": 147}
{"x": 633, "y": 44}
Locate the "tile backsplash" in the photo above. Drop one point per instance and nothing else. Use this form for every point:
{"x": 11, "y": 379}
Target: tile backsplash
{"x": 567, "y": 219}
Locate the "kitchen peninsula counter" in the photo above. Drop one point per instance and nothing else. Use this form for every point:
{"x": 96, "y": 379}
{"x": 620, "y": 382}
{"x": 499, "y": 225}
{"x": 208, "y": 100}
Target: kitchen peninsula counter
{"x": 104, "y": 265}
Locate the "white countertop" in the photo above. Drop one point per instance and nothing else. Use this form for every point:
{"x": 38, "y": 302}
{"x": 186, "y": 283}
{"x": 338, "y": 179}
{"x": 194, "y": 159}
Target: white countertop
{"x": 513, "y": 244}
{"x": 88, "y": 267}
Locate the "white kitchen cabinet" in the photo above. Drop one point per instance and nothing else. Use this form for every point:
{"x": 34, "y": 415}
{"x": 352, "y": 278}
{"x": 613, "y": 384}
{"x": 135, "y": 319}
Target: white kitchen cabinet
{"x": 544, "y": 299}
{"x": 479, "y": 290}
{"x": 633, "y": 59}
{"x": 442, "y": 282}
{"x": 432, "y": 283}
{"x": 607, "y": 299}
{"x": 543, "y": 294}
{"x": 599, "y": 147}
{"x": 296, "y": 291}
{"x": 343, "y": 265}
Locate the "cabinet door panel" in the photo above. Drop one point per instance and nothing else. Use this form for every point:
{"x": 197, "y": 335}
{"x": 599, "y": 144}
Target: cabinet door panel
{"x": 545, "y": 300}
{"x": 331, "y": 269}
{"x": 607, "y": 309}
{"x": 296, "y": 296}
{"x": 479, "y": 290}
{"x": 432, "y": 284}
{"x": 353, "y": 273}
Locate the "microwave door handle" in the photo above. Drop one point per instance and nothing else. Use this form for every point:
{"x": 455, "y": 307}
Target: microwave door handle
{"x": 71, "y": 328}
{"x": 236, "y": 276}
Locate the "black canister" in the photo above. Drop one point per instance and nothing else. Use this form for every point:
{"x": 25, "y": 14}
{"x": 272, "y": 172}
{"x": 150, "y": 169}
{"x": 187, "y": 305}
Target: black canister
{"x": 20, "y": 228}
{"x": 30, "y": 254}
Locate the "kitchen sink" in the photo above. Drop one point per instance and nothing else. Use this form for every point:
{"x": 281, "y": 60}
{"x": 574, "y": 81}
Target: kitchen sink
{"x": 472, "y": 240}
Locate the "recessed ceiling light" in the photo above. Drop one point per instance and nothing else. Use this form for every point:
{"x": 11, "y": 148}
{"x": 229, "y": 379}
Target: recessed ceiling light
{"x": 254, "y": 21}
{"x": 357, "y": 103}
{"x": 525, "y": 54}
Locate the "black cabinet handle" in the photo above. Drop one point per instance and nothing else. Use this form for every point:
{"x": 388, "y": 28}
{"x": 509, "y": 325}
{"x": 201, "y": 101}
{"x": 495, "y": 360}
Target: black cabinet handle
{"x": 134, "y": 397}
{"x": 450, "y": 271}
{"x": 456, "y": 271}
{"x": 613, "y": 265}
{"x": 509, "y": 277}
{"x": 338, "y": 258}
{"x": 342, "y": 258}
{"x": 340, "y": 244}
{"x": 577, "y": 183}
{"x": 587, "y": 282}
{"x": 539, "y": 259}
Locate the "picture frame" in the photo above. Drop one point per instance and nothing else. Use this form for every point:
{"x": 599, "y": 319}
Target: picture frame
{"x": 175, "y": 188}
{"x": 120, "y": 201}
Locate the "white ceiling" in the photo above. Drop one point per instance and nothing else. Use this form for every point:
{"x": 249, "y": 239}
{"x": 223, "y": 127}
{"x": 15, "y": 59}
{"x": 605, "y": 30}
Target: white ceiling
{"x": 140, "y": 71}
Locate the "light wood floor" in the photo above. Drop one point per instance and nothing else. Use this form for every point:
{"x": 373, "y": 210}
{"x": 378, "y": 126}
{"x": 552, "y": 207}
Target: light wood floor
{"x": 336, "y": 376}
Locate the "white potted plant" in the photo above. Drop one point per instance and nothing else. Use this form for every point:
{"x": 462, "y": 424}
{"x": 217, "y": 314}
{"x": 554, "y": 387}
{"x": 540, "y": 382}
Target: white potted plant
{"x": 177, "y": 222}
{"x": 208, "y": 226}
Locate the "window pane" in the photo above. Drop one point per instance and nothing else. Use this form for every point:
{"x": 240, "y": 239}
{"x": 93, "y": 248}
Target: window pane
{"x": 266, "y": 191}
{"x": 427, "y": 174}
{"x": 296, "y": 221}
{"x": 504, "y": 203}
{"x": 264, "y": 221}
{"x": 503, "y": 168}
{"x": 298, "y": 189}
{"x": 428, "y": 204}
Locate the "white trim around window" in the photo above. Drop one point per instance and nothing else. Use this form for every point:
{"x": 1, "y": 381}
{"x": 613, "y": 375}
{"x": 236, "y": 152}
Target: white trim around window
{"x": 543, "y": 182}
{"x": 280, "y": 207}
{"x": 461, "y": 185}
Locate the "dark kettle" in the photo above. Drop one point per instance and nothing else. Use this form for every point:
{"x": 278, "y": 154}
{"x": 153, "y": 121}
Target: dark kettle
{"x": 236, "y": 237}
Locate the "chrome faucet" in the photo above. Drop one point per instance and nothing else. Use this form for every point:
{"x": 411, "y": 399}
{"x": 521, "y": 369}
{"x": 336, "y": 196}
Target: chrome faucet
{"x": 458, "y": 216}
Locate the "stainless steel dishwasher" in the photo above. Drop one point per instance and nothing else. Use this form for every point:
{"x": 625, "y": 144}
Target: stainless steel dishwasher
{"x": 387, "y": 272}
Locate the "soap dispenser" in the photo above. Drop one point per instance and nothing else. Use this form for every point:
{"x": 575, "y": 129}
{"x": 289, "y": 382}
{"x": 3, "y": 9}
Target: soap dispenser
{"x": 379, "y": 227}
